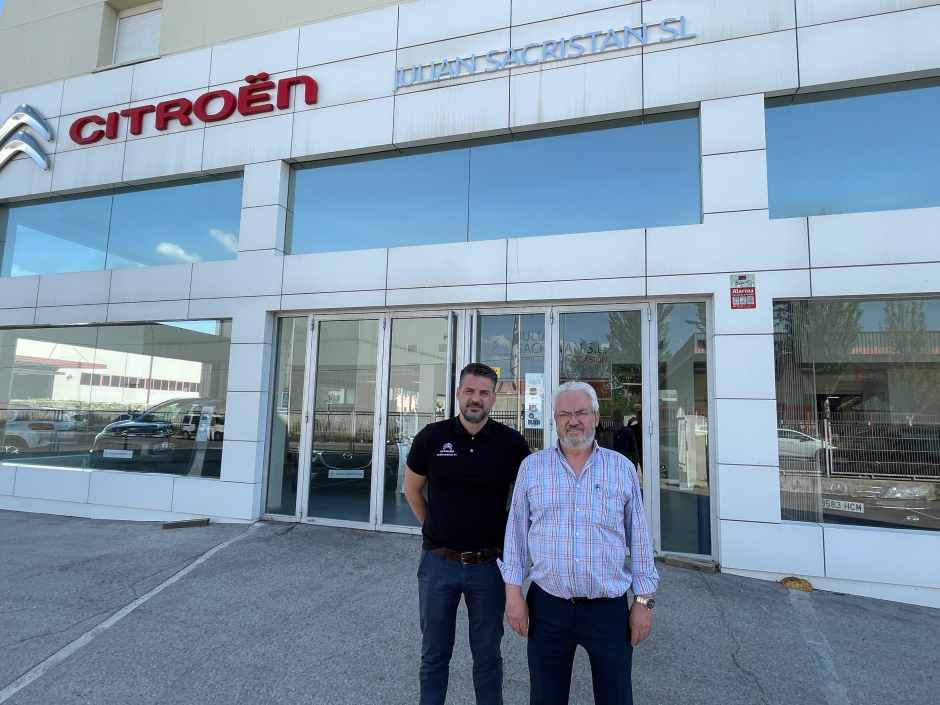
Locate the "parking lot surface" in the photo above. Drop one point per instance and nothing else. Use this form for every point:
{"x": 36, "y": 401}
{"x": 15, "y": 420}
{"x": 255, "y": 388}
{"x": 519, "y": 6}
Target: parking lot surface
{"x": 284, "y": 613}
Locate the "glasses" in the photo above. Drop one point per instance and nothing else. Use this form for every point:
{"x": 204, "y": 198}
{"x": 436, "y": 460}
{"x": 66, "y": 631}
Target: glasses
{"x": 580, "y": 414}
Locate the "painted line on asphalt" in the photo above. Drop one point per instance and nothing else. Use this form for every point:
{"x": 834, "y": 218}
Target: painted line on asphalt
{"x": 832, "y": 686}
{"x": 69, "y": 649}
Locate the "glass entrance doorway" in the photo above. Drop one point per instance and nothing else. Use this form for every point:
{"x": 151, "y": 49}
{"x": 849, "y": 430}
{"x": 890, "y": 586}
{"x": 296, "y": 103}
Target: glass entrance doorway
{"x": 351, "y": 392}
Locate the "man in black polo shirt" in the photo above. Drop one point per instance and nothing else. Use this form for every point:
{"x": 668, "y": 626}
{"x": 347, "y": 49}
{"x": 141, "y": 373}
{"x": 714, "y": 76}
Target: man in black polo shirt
{"x": 469, "y": 464}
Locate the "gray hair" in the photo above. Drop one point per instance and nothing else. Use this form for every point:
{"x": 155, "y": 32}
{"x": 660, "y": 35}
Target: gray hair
{"x": 578, "y": 387}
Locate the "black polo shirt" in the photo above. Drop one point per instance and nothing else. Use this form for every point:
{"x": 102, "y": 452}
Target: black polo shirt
{"x": 468, "y": 482}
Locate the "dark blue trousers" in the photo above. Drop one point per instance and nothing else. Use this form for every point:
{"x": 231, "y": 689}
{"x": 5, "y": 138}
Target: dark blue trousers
{"x": 557, "y": 627}
{"x": 441, "y": 583}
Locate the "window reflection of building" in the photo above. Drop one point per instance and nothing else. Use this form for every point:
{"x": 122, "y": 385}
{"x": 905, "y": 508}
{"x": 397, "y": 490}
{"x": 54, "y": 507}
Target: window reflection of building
{"x": 858, "y": 402}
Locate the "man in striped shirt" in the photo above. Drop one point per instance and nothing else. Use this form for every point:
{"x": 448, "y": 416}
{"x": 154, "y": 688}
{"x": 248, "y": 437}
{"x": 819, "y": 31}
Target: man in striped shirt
{"x": 577, "y": 518}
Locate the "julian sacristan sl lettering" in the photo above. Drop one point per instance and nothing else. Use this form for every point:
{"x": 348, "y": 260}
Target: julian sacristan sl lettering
{"x": 671, "y": 29}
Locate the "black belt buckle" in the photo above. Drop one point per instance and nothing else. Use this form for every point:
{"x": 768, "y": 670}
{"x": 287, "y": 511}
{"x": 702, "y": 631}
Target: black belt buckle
{"x": 471, "y": 557}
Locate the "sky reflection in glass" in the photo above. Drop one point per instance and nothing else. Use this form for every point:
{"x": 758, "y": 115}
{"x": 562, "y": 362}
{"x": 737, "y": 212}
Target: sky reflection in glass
{"x": 854, "y": 153}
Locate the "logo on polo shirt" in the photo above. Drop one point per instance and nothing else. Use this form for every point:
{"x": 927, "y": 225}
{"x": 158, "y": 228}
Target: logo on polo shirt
{"x": 447, "y": 450}
{"x": 15, "y": 139}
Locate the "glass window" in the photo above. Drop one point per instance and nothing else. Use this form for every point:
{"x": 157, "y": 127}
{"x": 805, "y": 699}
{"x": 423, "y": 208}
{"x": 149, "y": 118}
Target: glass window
{"x": 858, "y": 411}
{"x": 138, "y": 33}
{"x": 854, "y": 151}
{"x": 613, "y": 177}
{"x": 412, "y": 199}
{"x": 286, "y": 416}
{"x": 48, "y": 417}
{"x": 174, "y": 224}
{"x": 181, "y": 224}
{"x": 65, "y": 235}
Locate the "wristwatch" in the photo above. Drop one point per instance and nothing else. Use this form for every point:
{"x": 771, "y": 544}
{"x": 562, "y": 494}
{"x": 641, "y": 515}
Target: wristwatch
{"x": 648, "y": 602}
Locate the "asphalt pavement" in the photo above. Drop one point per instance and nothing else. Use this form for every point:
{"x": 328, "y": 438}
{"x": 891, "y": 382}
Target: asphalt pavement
{"x": 104, "y": 613}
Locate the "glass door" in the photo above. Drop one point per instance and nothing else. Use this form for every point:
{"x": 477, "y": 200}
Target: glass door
{"x": 342, "y": 424}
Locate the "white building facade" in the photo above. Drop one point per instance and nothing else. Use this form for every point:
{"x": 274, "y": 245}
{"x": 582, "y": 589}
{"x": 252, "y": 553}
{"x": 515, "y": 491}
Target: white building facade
{"x": 251, "y": 272}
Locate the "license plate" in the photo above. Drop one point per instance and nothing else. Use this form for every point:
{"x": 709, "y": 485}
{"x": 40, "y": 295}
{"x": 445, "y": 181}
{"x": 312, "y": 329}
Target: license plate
{"x": 122, "y": 454}
{"x": 843, "y": 506}
{"x": 351, "y": 474}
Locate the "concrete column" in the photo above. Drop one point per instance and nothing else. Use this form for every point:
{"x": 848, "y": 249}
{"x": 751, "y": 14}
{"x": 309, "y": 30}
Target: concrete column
{"x": 264, "y": 207}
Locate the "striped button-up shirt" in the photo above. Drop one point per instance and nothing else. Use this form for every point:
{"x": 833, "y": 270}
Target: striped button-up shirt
{"x": 583, "y": 536}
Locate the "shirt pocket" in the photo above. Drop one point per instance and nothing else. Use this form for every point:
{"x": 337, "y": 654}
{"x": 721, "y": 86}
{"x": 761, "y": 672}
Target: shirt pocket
{"x": 607, "y": 508}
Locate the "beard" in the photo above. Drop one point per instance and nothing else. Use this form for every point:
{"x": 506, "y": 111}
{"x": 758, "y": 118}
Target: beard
{"x": 474, "y": 414}
{"x": 586, "y": 440}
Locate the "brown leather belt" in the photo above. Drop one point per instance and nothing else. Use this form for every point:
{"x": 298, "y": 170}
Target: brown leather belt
{"x": 468, "y": 557}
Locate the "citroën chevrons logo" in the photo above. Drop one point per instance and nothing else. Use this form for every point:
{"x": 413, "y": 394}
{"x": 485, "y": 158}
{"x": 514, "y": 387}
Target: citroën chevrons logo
{"x": 15, "y": 138}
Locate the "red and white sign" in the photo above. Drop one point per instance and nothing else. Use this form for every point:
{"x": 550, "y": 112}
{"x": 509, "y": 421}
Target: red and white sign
{"x": 260, "y": 95}
{"x": 743, "y": 291}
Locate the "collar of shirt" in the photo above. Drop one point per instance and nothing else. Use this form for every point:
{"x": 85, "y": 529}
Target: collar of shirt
{"x": 461, "y": 430}
{"x": 587, "y": 463}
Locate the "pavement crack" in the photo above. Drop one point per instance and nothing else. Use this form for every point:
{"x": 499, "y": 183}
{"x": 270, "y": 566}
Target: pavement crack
{"x": 56, "y": 632}
{"x": 735, "y": 642}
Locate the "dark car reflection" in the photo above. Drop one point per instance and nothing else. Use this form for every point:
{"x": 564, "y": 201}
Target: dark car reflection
{"x": 347, "y": 466}
{"x": 180, "y": 436}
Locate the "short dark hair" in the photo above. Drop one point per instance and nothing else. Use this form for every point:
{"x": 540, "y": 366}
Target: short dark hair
{"x": 478, "y": 369}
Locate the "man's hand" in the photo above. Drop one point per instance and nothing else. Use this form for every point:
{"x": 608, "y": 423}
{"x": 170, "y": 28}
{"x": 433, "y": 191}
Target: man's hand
{"x": 517, "y": 611}
{"x": 641, "y": 623}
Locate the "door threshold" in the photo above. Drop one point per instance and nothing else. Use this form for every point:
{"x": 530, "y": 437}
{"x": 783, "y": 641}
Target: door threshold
{"x": 703, "y": 565}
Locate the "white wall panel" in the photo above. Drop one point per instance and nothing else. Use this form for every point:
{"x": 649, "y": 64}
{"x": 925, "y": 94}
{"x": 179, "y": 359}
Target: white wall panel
{"x": 239, "y": 143}
{"x": 85, "y": 168}
{"x": 22, "y": 177}
{"x": 50, "y": 483}
{"x": 172, "y": 74}
{"x": 330, "y": 271}
{"x": 47, "y": 99}
{"x": 907, "y": 557}
{"x": 7, "y": 479}
{"x": 468, "y": 110}
{"x": 266, "y": 184}
{"x": 63, "y": 140}
{"x": 818, "y": 11}
{"x": 340, "y": 299}
{"x": 242, "y": 461}
{"x": 348, "y": 37}
{"x": 790, "y": 548}
{"x": 574, "y": 94}
{"x": 534, "y": 259}
{"x": 728, "y": 242}
{"x": 426, "y": 21}
{"x": 720, "y": 20}
{"x": 243, "y": 422}
{"x": 686, "y": 75}
{"x": 262, "y": 228}
{"x": 465, "y": 46}
{"x": 249, "y": 367}
{"x": 85, "y": 94}
{"x": 881, "y": 237}
{"x": 122, "y": 489}
{"x": 171, "y": 155}
{"x": 749, "y": 493}
{"x": 733, "y": 124}
{"x": 344, "y": 129}
{"x": 449, "y": 264}
{"x": 273, "y": 53}
{"x": 71, "y": 315}
{"x": 352, "y": 80}
{"x": 576, "y": 289}
{"x": 17, "y": 316}
{"x": 252, "y": 274}
{"x": 480, "y": 293}
{"x": 214, "y": 498}
{"x": 860, "y": 51}
{"x": 251, "y": 322}
{"x": 166, "y": 283}
{"x": 746, "y": 431}
{"x": 744, "y": 367}
{"x": 734, "y": 182}
{"x": 148, "y": 311}
{"x": 524, "y": 11}
{"x": 876, "y": 280}
{"x": 18, "y": 292}
{"x": 74, "y": 288}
